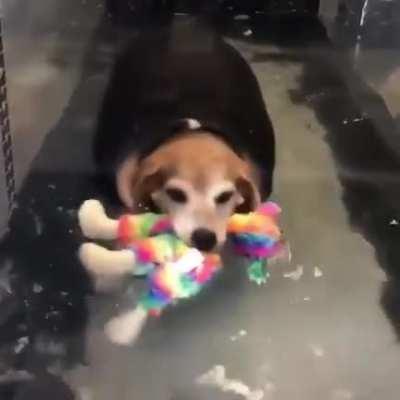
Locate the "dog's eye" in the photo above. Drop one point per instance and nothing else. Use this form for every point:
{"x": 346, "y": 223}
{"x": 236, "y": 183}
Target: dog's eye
{"x": 177, "y": 195}
{"x": 224, "y": 197}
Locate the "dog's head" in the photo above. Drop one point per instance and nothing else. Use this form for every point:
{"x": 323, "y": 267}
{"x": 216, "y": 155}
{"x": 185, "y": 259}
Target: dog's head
{"x": 198, "y": 181}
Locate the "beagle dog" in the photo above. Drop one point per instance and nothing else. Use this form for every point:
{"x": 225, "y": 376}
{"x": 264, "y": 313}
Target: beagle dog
{"x": 184, "y": 130}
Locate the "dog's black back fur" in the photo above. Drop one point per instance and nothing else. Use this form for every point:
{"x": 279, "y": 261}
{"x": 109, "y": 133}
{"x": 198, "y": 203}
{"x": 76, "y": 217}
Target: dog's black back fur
{"x": 169, "y": 74}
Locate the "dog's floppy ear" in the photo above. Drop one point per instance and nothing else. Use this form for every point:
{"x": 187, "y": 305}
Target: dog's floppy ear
{"x": 145, "y": 183}
{"x": 244, "y": 175}
{"x": 136, "y": 181}
{"x": 250, "y": 195}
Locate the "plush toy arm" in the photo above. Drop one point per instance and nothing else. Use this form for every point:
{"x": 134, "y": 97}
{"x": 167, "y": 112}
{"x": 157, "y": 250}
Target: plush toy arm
{"x": 94, "y": 222}
{"x": 101, "y": 261}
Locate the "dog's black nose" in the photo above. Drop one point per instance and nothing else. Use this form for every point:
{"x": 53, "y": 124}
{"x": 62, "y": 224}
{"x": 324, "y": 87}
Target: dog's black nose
{"x": 203, "y": 239}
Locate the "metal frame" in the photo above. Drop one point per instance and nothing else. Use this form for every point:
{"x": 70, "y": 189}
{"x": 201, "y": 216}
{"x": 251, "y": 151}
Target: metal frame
{"x": 5, "y": 132}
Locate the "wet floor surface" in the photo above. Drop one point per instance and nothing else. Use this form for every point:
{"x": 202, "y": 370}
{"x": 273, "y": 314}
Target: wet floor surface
{"x": 326, "y": 324}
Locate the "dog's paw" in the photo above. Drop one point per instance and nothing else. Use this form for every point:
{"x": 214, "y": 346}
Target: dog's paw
{"x": 91, "y": 218}
{"x": 126, "y": 328}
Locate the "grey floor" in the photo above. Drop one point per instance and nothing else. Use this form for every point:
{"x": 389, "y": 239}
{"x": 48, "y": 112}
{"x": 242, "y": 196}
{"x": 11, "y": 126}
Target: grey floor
{"x": 319, "y": 333}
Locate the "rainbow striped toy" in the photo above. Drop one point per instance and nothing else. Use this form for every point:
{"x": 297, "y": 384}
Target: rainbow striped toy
{"x": 176, "y": 271}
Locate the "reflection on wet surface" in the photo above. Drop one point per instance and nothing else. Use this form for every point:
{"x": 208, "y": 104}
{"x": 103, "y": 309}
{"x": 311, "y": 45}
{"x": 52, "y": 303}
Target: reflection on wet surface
{"x": 326, "y": 325}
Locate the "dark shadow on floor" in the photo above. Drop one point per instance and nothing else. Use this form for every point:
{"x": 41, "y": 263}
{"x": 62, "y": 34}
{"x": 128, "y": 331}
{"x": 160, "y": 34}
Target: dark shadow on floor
{"x": 363, "y": 138}
{"x": 43, "y": 289}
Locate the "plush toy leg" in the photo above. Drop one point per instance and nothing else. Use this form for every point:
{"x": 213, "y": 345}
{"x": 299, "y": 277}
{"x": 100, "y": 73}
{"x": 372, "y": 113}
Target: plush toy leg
{"x": 101, "y": 261}
{"x": 94, "y": 222}
{"x": 126, "y": 328}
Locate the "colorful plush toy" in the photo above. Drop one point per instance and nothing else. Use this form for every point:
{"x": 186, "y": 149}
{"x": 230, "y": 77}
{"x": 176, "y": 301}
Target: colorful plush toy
{"x": 148, "y": 246}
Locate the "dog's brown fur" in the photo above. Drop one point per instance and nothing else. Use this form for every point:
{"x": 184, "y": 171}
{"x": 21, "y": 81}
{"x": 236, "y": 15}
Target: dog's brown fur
{"x": 201, "y": 162}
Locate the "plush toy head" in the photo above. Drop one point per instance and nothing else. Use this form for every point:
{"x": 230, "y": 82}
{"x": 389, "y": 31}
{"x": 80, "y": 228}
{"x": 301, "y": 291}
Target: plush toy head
{"x": 174, "y": 270}
{"x": 179, "y": 273}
